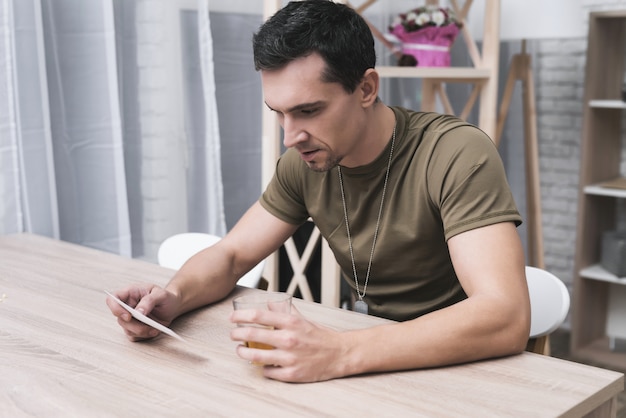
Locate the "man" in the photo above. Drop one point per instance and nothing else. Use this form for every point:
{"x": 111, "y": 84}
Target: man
{"x": 414, "y": 205}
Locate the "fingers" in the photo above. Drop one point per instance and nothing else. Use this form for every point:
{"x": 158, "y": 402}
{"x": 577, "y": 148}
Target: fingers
{"x": 271, "y": 333}
{"x": 148, "y": 301}
{"x": 117, "y": 310}
{"x": 301, "y": 350}
{"x": 137, "y": 331}
{"x": 143, "y": 299}
{"x": 140, "y": 297}
{"x": 283, "y": 374}
{"x": 263, "y": 335}
{"x": 277, "y": 364}
{"x": 258, "y": 357}
{"x": 269, "y": 319}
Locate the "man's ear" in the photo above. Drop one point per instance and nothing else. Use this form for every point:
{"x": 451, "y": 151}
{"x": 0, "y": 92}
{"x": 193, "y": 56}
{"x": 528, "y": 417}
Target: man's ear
{"x": 369, "y": 87}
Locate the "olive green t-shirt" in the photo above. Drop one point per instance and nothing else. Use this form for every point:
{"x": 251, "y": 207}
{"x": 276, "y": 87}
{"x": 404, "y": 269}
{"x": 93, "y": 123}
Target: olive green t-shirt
{"x": 446, "y": 178}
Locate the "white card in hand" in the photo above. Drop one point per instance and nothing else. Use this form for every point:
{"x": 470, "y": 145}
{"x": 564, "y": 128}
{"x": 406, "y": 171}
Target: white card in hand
{"x": 141, "y": 317}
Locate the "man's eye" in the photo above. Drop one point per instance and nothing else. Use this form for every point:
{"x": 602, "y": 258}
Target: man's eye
{"x": 309, "y": 111}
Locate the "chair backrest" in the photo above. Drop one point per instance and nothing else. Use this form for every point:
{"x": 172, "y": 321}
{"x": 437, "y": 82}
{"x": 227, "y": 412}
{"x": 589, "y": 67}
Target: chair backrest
{"x": 549, "y": 301}
{"x": 175, "y": 250}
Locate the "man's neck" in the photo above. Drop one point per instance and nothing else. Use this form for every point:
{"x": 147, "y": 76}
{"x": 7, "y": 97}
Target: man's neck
{"x": 377, "y": 135}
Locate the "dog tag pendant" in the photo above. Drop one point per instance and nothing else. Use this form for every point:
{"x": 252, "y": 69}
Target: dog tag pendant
{"x": 360, "y": 306}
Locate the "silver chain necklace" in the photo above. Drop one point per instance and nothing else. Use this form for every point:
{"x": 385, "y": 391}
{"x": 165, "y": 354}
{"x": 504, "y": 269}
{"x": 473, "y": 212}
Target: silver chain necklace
{"x": 360, "y": 305}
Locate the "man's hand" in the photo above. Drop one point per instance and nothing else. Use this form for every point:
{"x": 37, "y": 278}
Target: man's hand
{"x": 304, "y": 351}
{"x": 150, "y": 300}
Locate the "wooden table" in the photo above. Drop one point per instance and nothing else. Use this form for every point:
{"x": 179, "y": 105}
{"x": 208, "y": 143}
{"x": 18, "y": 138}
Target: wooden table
{"x": 63, "y": 354}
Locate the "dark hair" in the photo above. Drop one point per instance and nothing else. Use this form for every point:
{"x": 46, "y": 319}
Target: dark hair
{"x": 334, "y": 30}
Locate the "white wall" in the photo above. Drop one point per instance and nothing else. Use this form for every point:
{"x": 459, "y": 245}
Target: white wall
{"x": 256, "y": 6}
{"x": 533, "y": 19}
{"x": 238, "y": 6}
{"x": 520, "y": 19}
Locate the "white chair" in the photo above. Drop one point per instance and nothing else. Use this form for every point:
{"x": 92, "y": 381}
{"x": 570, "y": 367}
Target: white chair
{"x": 175, "y": 250}
{"x": 549, "y": 304}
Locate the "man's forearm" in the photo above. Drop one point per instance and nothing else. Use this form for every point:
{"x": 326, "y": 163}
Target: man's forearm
{"x": 467, "y": 331}
{"x": 205, "y": 278}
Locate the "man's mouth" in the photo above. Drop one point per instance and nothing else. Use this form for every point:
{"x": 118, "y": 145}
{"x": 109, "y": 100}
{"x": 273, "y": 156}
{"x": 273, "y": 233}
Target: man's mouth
{"x": 308, "y": 155}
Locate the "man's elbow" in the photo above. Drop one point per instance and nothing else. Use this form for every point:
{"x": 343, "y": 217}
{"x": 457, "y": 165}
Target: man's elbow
{"x": 517, "y": 332}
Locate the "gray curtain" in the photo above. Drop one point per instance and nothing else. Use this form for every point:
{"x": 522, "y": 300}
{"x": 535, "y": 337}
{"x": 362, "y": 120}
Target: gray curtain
{"x": 95, "y": 145}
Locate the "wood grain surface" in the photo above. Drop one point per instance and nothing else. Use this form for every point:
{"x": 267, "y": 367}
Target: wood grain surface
{"x": 63, "y": 354}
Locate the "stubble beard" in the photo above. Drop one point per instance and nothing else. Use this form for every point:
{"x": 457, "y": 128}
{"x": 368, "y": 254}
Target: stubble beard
{"x": 327, "y": 165}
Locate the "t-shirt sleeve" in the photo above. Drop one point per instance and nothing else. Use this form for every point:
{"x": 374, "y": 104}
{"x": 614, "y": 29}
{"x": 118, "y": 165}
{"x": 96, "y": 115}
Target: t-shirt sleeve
{"x": 283, "y": 195}
{"x": 467, "y": 182}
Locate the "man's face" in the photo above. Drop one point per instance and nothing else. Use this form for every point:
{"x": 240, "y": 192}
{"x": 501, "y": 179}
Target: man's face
{"x": 320, "y": 120}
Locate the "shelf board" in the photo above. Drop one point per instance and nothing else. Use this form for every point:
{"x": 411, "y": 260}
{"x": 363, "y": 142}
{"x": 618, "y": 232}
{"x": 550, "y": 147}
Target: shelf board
{"x": 453, "y": 74}
{"x": 612, "y": 188}
{"x": 599, "y": 353}
{"x": 597, "y": 272}
{"x": 608, "y": 104}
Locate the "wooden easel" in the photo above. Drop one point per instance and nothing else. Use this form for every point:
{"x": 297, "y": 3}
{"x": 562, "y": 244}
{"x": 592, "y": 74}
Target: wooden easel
{"x": 521, "y": 70}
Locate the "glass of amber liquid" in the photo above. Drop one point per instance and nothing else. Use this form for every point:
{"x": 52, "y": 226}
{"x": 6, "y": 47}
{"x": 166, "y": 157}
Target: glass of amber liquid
{"x": 271, "y": 301}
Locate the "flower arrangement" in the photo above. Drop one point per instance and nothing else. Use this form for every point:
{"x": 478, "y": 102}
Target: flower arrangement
{"x": 425, "y": 16}
{"x": 427, "y": 33}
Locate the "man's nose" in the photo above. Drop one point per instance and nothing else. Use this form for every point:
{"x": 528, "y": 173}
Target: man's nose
{"x": 293, "y": 134}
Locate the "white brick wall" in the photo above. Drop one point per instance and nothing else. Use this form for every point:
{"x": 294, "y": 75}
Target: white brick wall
{"x": 559, "y": 75}
{"x": 152, "y": 99}
{"x": 162, "y": 147}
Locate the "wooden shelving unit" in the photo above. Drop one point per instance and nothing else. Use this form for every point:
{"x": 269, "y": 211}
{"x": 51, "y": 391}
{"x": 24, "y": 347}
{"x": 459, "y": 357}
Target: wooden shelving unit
{"x": 599, "y": 295}
{"x": 460, "y": 74}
